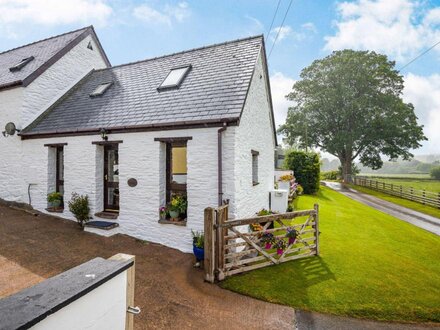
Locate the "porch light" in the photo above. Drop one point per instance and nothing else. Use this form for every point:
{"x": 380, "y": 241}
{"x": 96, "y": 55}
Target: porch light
{"x": 103, "y": 134}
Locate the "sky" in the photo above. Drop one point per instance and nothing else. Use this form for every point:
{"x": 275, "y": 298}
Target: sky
{"x": 135, "y": 30}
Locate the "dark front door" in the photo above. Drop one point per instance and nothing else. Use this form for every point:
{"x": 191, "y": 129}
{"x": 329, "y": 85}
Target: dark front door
{"x": 111, "y": 178}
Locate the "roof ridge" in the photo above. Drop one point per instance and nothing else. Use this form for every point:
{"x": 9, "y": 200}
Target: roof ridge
{"x": 184, "y": 51}
{"x": 45, "y": 39}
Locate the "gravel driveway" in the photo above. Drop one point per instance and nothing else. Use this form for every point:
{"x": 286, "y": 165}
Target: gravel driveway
{"x": 170, "y": 292}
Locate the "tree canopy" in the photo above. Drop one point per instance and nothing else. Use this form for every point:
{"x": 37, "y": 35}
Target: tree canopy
{"x": 350, "y": 105}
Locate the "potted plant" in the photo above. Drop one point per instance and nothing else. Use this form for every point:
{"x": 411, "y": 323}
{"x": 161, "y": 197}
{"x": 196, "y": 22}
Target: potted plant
{"x": 267, "y": 239}
{"x": 198, "y": 244}
{"x": 177, "y": 206}
{"x": 285, "y": 181}
{"x": 291, "y": 234}
{"x": 163, "y": 212}
{"x": 55, "y": 199}
{"x": 280, "y": 245}
{"x": 79, "y": 206}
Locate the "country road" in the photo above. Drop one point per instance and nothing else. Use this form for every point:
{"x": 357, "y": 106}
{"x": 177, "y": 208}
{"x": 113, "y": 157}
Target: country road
{"x": 418, "y": 219}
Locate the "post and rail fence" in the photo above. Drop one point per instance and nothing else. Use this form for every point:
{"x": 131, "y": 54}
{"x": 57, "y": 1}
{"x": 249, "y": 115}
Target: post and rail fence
{"x": 232, "y": 247}
{"x": 421, "y": 196}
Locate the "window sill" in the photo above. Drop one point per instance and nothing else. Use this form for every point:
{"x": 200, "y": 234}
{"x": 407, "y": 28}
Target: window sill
{"x": 255, "y": 183}
{"x": 55, "y": 209}
{"x": 171, "y": 222}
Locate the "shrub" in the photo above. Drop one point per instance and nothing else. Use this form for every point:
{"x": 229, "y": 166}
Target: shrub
{"x": 330, "y": 175}
{"x": 306, "y": 168}
{"x": 79, "y": 206}
{"x": 435, "y": 173}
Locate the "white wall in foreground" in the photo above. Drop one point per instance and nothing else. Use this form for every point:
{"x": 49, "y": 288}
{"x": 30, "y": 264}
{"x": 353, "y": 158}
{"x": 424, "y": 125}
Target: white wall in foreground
{"x": 103, "y": 308}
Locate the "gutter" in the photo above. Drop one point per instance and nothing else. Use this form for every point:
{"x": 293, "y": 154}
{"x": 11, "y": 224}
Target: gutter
{"x": 220, "y": 165}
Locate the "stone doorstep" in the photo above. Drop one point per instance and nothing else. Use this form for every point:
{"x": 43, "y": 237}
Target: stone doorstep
{"x": 103, "y": 225}
{"x": 107, "y": 215}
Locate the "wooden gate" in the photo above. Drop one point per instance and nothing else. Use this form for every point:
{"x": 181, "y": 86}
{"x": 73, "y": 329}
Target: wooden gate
{"x": 237, "y": 246}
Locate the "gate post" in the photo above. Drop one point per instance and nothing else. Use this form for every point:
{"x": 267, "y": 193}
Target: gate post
{"x": 316, "y": 207}
{"x": 208, "y": 263}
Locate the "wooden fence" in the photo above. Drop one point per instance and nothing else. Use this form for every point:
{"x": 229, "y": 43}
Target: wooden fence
{"x": 421, "y": 196}
{"x": 237, "y": 246}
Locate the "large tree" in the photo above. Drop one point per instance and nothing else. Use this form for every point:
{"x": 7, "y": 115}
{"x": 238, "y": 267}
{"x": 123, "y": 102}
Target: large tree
{"x": 349, "y": 104}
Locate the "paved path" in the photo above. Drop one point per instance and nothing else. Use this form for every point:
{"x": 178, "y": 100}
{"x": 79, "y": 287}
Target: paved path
{"x": 418, "y": 219}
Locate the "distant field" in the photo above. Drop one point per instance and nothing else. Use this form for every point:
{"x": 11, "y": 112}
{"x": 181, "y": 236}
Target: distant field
{"x": 409, "y": 176}
{"x": 415, "y": 181}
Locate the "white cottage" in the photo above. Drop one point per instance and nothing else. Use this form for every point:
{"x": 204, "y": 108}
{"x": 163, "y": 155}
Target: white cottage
{"x": 197, "y": 123}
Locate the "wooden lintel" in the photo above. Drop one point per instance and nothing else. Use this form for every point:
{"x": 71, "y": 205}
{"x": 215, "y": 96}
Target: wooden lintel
{"x": 54, "y": 145}
{"x": 105, "y": 143}
{"x": 173, "y": 139}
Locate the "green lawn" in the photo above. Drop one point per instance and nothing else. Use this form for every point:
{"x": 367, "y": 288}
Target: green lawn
{"x": 371, "y": 266}
{"x": 435, "y": 212}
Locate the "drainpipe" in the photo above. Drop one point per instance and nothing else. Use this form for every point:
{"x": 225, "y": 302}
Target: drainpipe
{"x": 220, "y": 167}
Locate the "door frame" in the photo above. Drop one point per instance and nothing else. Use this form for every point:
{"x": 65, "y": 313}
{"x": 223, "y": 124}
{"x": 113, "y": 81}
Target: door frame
{"x": 106, "y": 183}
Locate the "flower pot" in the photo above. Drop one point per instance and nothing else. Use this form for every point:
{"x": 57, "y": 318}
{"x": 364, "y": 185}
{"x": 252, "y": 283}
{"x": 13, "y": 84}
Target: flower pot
{"x": 199, "y": 253}
{"x": 292, "y": 240}
{"x": 56, "y": 203}
{"x": 284, "y": 185}
{"x": 280, "y": 251}
{"x": 268, "y": 246}
{"x": 174, "y": 214}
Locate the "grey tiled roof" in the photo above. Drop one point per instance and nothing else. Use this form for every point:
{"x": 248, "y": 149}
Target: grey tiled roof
{"x": 214, "y": 90}
{"x": 42, "y": 51}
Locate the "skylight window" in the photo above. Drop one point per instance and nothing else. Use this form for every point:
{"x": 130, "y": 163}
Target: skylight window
{"x": 101, "y": 89}
{"x": 175, "y": 77}
{"x": 21, "y": 64}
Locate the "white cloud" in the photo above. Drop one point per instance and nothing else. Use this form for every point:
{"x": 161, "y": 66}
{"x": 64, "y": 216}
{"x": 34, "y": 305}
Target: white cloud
{"x": 282, "y": 31}
{"x": 168, "y": 15}
{"x": 301, "y": 34}
{"x": 424, "y": 94}
{"x": 280, "y": 86}
{"x": 53, "y": 12}
{"x": 399, "y": 28}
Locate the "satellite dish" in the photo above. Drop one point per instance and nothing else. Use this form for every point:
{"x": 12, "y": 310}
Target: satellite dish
{"x": 10, "y": 129}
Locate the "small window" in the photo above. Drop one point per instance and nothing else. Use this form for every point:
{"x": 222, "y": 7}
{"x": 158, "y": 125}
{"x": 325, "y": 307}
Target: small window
{"x": 255, "y": 155}
{"x": 101, "y": 89}
{"x": 90, "y": 46}
{"x": 21, "y": 64}
{"x": 175, "y": 77}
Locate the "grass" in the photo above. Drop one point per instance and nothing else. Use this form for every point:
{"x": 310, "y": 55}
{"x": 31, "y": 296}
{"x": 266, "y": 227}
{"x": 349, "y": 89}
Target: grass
{"x": 430, "y": 210}
{"x": 371, "y": 266}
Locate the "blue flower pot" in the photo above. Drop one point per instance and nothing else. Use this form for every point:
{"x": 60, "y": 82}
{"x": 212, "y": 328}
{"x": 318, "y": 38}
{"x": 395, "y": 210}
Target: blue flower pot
{"x": 199, "y": 253}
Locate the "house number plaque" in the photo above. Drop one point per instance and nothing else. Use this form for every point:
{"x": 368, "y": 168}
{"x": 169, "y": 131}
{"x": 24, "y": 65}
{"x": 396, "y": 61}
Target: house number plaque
{"x": 132, "y": 182}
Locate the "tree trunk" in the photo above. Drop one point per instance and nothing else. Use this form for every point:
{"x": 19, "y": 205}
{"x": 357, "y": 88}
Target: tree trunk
{"x": 346, "y": 170}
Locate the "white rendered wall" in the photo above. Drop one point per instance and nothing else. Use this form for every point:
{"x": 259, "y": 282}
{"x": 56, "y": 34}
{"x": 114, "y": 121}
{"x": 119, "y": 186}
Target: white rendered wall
{"x": 255, "y": 132}
{"x": 59, "y": 78}
{"x": 101, "y": 309}
{"x": 22, "y": 105}
{"x": 142, "y": 158}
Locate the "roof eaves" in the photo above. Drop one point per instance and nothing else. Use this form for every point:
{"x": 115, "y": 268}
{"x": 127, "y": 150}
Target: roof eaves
{"x": 25, "y": 134}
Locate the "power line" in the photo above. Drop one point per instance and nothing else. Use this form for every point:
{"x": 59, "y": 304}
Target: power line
{"x": 273, "y": 18}
{"x": 279, "y": 29}
{"x": 418, "y": 56}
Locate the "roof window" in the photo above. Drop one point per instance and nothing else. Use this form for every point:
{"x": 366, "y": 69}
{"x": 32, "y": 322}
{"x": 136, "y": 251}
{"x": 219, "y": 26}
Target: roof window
{"x": 101, "y": 89}
{"x": 21, "y": 64}
{"x": 175, "y": 77}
